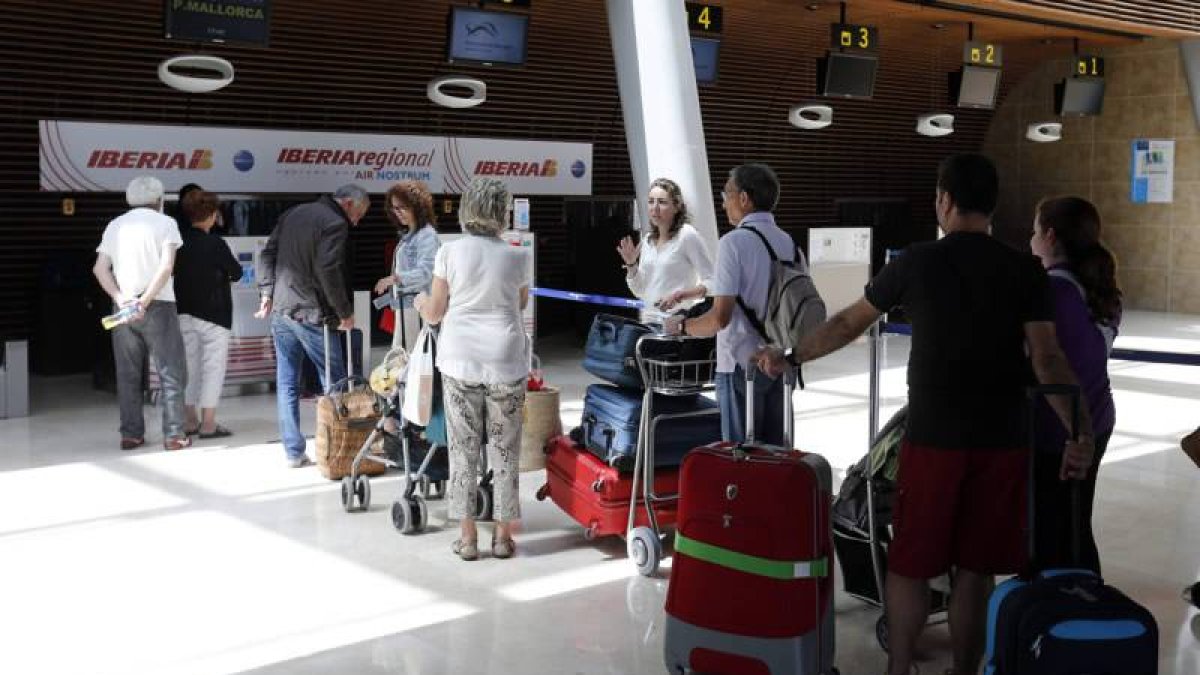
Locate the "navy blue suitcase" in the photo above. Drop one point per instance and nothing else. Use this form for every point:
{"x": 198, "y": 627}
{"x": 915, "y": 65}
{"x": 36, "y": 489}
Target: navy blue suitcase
{"x": 1067, "y": 621}
{"x": 610, "y": 350}
{"x": 612, "y": 415}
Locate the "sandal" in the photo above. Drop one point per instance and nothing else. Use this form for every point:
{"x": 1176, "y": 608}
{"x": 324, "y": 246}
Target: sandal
{"x": 218, "y": 432}
{"x": 177, "y": 443}
{"x": 504, "y": 547}
{"x": 132, "y": 443}
{"x": 467, "y": 550}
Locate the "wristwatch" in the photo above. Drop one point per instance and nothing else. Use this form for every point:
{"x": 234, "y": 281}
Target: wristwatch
{"x": 789, "y": 355}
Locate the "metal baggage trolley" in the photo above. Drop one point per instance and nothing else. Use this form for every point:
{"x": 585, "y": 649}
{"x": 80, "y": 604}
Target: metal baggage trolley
{"x": 671, "y": 377}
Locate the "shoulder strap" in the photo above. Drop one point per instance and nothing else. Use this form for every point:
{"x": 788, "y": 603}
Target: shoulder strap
{"x": 1064, "y": 274}
{"x": 751, "y": 316}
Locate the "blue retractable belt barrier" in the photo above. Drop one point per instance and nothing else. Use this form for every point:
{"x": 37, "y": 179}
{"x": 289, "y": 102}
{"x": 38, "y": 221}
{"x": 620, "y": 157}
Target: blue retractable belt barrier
{"x": 1118, "y": 354}
{"x": 586, "y": 298}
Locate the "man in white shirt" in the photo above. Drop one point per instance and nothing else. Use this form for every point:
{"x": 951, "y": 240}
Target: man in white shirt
{"x": 133, "y": 264}
{"x": 741, "y": 281}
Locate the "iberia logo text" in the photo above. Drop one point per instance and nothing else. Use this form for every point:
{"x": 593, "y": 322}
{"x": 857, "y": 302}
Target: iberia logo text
{"x": 196, "y": 160}
{"x": 546, "y": 169}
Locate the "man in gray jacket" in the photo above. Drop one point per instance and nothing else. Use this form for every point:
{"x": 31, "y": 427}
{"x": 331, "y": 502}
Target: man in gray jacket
{"x": 303, "y": 281}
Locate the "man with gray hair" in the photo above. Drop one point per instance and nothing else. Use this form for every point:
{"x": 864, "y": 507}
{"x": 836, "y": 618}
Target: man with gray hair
{"x": 133, "y": 265}
{"x": 304, "y": 283}
{"x": 740, "y": 287}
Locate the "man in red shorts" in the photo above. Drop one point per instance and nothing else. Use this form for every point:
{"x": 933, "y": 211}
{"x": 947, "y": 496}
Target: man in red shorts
{"x": 975, "y": 304}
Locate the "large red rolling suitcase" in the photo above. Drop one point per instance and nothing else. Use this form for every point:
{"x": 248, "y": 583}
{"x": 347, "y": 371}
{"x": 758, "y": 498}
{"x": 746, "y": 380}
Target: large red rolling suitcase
{"x": 751, "y": 587}
{"x": 595, "y": 494}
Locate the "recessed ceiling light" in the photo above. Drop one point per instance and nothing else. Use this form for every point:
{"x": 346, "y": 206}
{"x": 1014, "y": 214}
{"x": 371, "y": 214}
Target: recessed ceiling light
{"x": 813, "y": 6}
{"x": 937, "y": 26}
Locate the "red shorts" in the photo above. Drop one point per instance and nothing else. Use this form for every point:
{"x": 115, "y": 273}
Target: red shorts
{"x": 961, "y": 508}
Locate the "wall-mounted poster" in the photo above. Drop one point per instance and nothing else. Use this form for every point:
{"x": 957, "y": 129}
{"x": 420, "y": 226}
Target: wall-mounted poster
{"x": 1153, "y": 177}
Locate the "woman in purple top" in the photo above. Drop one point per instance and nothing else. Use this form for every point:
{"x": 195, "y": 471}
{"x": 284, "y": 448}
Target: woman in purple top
{"x": 1087, "y": 312}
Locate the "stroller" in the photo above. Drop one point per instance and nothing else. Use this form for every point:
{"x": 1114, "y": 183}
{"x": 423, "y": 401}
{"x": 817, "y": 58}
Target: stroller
{"x": 862, "y": 514}
{"x": 409, "y": 447}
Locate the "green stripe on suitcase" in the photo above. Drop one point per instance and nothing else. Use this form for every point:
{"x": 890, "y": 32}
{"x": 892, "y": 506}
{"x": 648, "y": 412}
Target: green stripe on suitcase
{"x": 763, "y": 567}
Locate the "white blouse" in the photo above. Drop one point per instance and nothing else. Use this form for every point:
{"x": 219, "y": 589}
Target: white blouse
{"x": 683, "y": 262}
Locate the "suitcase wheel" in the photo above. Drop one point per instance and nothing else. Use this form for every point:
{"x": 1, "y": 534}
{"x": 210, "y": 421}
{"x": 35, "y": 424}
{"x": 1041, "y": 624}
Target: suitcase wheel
{"x": 881, "y": 632}
{"x": 645, "y": 550}
{"x": 356, "y": 493}
{"x": 483, "y": 502}
{"x": 542, "y": 493}
{"x": 591, "y": 532}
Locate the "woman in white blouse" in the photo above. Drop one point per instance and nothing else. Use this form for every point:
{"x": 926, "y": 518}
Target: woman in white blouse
{"x": 670, "y": 269}
{"x": 480, "y": 285}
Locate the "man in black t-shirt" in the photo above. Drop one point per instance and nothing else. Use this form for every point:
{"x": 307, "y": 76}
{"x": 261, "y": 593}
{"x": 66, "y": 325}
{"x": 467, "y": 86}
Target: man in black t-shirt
{"x": 975, "y": 306}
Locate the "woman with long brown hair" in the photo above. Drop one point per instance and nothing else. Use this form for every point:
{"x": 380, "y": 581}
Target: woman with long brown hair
{"x": 409, "y": 206}
{"x": 1087, "y": 309}
{"x": 670, "y": 268}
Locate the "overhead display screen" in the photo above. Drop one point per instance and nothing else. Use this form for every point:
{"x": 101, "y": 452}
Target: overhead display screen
{"x": 486, "y": 37}
{"x": 234, "y": 21}
{"x": 705, "y": 54}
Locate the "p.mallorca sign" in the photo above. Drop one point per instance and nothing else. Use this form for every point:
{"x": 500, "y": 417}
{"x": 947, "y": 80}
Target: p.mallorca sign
{"x": 103, "y": 157}
{"x": 241, "y": 21}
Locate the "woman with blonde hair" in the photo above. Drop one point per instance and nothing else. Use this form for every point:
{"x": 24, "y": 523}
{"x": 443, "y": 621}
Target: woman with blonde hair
{"x": 409, "y": 206}
{"x": 480, "y": 286}
{"x": 673, "y": 270}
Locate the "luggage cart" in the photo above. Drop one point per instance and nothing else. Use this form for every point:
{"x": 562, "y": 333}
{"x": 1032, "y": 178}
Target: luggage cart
{"x": 684, "y": 376}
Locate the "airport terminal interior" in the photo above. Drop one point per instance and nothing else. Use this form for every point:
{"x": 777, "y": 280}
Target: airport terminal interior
{"x": 219, "y": 558}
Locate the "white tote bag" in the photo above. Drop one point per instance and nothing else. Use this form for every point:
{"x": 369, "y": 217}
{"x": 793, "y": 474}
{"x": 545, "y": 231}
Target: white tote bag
{"x": 418, "y": 381}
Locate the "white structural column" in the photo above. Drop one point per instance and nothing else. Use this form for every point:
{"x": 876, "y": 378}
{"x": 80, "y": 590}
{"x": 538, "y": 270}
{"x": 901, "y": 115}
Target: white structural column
{"x": 657, "y": 84}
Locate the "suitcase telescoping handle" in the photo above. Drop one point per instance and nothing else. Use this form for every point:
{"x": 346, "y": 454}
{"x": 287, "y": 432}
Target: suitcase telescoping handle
{"x": 349, "y": 358}
{"x": 789, "y": 423}
{"x": 1034, "y": 394}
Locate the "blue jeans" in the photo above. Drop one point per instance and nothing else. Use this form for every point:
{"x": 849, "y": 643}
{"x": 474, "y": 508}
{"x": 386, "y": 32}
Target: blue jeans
{"x": 768, "y": 407}
{"x": 295, "y": 340}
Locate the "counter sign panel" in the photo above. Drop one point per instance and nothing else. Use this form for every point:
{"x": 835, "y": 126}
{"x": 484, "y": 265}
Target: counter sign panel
{"x": 704, "y": 18}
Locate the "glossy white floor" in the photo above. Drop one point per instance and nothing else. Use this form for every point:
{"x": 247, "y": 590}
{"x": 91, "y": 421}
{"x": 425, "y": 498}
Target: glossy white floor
{"x": 218, "y": 559}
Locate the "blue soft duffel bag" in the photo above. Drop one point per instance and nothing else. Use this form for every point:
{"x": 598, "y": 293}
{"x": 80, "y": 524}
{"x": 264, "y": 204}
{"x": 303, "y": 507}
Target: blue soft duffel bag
{"x": 612, "y": 416}
{"x": 611, "y": 348}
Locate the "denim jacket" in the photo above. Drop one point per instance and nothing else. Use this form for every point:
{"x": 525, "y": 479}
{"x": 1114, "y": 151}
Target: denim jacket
{"x": 413, "y": 262}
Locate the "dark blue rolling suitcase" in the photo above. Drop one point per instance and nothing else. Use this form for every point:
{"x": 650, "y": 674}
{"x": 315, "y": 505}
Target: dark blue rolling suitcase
{"x": 612, "y": 416}
{"x": 1067, "y": 621}
{"x": 610, "y": 350}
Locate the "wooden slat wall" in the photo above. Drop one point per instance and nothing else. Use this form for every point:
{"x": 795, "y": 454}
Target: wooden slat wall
{"x": 1174, "y": 15}
{"x": 362, "y": 66}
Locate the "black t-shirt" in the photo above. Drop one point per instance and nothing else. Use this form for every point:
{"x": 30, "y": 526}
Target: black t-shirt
{"x": 968, "y": 298}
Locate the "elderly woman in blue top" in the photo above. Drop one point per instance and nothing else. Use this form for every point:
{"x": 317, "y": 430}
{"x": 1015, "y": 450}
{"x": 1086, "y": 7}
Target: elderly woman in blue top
{"x": 409, "y": 206}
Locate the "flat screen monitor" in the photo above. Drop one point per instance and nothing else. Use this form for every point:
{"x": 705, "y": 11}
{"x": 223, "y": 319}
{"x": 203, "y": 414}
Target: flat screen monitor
{"x": 976, "y": 87}
{"x": 486, "y": 37}
{"x": 847, "y": 75}
{"x": 1079, "y": 96}
{"x": 704, "y": 57}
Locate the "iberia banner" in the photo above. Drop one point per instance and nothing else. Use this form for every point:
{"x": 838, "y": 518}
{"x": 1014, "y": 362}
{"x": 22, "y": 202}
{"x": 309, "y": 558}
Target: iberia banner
{"x": 103, "y": 157}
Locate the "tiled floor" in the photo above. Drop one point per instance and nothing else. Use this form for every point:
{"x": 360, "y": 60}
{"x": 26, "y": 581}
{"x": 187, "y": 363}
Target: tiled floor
{"x": 218, "y": 559}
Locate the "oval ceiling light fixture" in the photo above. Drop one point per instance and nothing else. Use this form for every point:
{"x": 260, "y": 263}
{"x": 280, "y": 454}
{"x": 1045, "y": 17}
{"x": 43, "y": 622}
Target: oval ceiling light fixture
{"x": 478, "y": 91}
{"x": 811, "y": 116}
{"x": 196, "y": 85}
{"x": 1044, "y": 132}
{"x": 935, "y": 124}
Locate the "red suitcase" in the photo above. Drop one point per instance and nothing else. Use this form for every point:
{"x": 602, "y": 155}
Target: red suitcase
{"x": 595, "y": 494}
{"x": 751, "y": 588}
